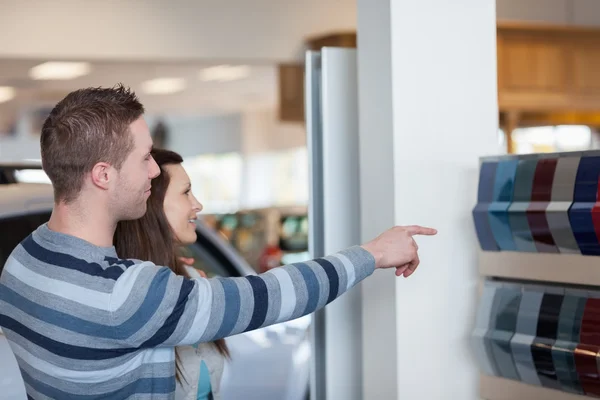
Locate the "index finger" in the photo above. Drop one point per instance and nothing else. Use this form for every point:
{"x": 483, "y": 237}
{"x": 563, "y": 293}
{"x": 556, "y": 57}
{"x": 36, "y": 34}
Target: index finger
{"x": 420, "y": 230}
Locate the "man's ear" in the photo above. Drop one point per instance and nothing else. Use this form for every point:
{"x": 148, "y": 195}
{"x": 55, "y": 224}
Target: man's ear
{"x": 101, "y": 175}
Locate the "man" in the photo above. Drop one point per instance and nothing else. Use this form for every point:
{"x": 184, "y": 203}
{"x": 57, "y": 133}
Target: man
{"x": 84, "y": 323}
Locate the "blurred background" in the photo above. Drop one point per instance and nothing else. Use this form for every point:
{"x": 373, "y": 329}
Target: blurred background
{"x": 223, "y": 85}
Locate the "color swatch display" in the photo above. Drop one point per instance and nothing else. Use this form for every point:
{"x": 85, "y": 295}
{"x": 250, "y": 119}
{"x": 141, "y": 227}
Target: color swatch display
{"x": 540, "y": 203}
{"x": 547, "y": 336}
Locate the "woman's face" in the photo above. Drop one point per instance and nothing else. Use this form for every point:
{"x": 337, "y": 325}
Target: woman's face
{"x": 180, "y": 205}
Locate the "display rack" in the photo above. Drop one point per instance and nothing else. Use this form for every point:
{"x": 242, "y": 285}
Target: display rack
{"x": 537, "y": 332}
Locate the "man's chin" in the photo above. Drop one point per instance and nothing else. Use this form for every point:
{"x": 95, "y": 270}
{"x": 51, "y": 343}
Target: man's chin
{"x": 142, "y": 212}
{"x": 139, "y": 213}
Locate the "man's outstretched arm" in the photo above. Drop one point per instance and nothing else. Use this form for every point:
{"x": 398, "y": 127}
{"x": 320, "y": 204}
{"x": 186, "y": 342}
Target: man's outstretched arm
{"x": 193, "y": 310}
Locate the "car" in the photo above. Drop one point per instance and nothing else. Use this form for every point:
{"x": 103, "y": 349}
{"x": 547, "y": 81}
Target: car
{"x": 268, "y": 363}
{"x": 24, "y": 171}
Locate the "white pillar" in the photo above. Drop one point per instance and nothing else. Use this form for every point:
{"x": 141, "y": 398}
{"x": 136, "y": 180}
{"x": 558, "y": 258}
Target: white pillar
{"x": 376, "y": 153}
{"x": 428, "y": 110}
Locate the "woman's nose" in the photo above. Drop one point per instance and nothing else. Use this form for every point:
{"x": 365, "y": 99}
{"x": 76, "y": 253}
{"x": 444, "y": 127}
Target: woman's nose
{"x": 197, "y": 205}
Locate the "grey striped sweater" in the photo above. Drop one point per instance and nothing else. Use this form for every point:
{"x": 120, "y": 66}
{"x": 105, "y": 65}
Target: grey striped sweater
{"x": 84, "y": 324}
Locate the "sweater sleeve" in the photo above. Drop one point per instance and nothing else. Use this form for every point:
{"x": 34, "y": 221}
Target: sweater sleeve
{"x": 177, "y": 310}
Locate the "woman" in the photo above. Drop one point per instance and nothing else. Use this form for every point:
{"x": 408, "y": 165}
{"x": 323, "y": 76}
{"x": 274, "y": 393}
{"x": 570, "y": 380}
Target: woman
{"x": 169, "y": 223}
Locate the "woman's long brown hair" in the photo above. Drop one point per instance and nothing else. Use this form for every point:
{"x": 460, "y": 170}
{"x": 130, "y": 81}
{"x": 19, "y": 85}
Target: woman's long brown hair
{"x": 151, "y": 237}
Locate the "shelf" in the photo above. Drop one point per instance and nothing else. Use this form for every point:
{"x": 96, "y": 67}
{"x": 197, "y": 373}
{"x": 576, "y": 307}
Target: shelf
{"x": 546, "y": 267}
{"x": 494, "y": 388}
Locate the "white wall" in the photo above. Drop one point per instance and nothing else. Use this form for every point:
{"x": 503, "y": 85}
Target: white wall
{"x": 263, "y": 136}
{"x": 562, "y": 12}
{"x": 254, "y": 132}
{"x": 420, "y": 73}
{"x": 585, "y": 12}
{"x": 376, "y": 194}
{"x": 23, "y": 144}
{"x": 437, "y": 79}
{"x": 263, "y": 132}
{"x": 191, "y": 136}
{"x": 19, "y": 148}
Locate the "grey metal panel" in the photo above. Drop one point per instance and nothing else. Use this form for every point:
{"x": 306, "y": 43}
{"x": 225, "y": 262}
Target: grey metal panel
{"x": 504, "y": 329}
{"x": 341, "y": 210}
{"x": 563, "y": 188}
{"x": 524, "y": 180}
{"x": 567, "y": 339}
{"x": 332, "y": 120}
{"x": 315, "y": 210}
{"x": 517, "y": 215}
{"x": 563, "y": 185}
{"x": 526, "y": 332}
{"x": 482, "y": 326}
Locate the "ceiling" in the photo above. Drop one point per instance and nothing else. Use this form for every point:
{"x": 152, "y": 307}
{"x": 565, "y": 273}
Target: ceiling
{"x": 267, "y": 30}
{"x": 258, "y": 89}
{"x": 154, "y": 39}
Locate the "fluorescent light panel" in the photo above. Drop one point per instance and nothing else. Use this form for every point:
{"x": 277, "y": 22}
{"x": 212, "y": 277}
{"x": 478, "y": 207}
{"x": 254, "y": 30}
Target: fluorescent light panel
{"x": 7, "y": 93}
{"x": 164, "y": 86}
{"x": 59, "y": 70}
{"x": 224, "y": 73}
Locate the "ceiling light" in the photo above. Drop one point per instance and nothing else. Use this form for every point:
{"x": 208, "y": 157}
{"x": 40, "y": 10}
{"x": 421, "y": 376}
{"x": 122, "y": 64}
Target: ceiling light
{"x": 163, "y": 86}
{"x": 7, "y": 93}
{"x": 223, "y": 73}
{"x": 57, "y": 70}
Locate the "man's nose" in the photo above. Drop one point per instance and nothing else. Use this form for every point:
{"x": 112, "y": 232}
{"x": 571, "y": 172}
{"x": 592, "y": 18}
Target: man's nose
{"x": 154, "y": 169}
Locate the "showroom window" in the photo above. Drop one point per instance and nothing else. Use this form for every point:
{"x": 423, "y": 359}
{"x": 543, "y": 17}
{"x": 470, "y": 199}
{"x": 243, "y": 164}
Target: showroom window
{"x": 216, "y": 181}
{"x": 549, "y": 139}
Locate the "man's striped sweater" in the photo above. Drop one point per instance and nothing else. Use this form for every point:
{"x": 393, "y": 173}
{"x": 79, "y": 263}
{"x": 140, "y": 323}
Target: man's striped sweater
{"x": 84, "y": 324}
